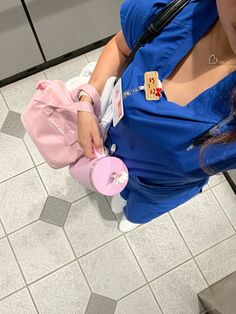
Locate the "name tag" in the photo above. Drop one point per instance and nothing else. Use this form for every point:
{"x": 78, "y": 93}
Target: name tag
{"x": 117, "y": 103}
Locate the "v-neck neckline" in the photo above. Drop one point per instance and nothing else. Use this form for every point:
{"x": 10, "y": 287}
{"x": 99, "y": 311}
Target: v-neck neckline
{"x": 187, "y": 46}
{"x": 202, "y": 94}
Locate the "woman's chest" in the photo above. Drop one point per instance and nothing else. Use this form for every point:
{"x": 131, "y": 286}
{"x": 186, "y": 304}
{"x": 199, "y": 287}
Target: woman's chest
{"x": 191, "y": 77}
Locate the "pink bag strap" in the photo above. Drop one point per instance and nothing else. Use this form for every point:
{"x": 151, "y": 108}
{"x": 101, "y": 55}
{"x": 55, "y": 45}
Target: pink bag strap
{"x": 67, "y": 103}
{"x": 92, "y": 92}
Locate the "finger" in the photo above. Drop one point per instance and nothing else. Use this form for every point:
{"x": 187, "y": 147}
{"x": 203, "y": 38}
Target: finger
{"x": 87, "y": 146}
{"x": 98, "y": 143}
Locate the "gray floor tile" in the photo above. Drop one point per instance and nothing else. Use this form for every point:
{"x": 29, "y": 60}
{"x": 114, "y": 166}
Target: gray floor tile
{"x": 227, "y": 198}
{"x": 64, "y": 291}
{"x": 18, "y": 303}
{"x": 34, "y": 152}
{"x": 99, "y": 304}
{"x": 55, "y": 211}
{"x": 60, "y": 184}
{"x": 111, "y": 270}
{"x": 90, "y": 223}
{"x": 19, "y": 94}
{"x": 219, "y": 261}
{"x": 41, "y": 248}
{"x": 202, "y": 222}
{"x": 67, "y": 70}
{"x": 22, "y": 200}
{"x": 177, "y": 291}
{"x": 158, "y": 246}
{"x": 139, "y": 302}
{"x": 10, "y": 276}
{"x": 3, "y": 111}
{"x": 13, "y": 125}
{"x": 19, "y": 158}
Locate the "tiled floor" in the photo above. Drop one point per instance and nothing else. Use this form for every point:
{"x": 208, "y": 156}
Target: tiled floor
{"x": 61, "y": 251}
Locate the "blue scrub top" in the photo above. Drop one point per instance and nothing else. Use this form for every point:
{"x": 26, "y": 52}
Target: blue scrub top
{"x": 152, "y": 137}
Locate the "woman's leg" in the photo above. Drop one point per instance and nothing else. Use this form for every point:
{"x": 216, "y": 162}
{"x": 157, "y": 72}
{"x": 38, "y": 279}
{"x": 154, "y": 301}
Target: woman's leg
{"x": 139, "y": 209}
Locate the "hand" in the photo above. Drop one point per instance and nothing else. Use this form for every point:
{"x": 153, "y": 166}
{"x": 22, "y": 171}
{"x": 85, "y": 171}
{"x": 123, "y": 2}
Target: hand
{"x": 88, "y": 132}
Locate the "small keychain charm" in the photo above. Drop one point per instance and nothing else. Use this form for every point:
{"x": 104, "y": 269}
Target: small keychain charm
{"x": 153, "y": 86}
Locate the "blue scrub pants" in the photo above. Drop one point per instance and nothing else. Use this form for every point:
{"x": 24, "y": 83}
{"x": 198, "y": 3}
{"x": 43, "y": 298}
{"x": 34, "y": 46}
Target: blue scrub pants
{"x": 143, "y": 204}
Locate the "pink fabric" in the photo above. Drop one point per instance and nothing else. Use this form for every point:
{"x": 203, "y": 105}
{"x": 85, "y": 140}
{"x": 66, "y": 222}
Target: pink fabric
{"x": 51, "y": 121}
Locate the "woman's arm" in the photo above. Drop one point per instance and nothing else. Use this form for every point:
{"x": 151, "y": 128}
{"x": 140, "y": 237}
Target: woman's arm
{"x": 109, "y": 64}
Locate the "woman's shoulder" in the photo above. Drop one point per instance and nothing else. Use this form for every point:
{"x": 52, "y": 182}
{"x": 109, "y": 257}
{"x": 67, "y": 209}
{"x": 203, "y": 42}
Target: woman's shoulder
{"x": 136, "y": 15}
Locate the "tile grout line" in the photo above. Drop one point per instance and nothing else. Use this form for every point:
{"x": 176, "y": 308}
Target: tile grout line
{"x": 86, "y": 280}
{"x": 22, "y": 227}
{"x": 16, "y": 175}
{"x": 114, "y": 215}
{"x": 41, "y": 278}
{"x": 4, "y": 100}
{"x": 35, "y": 167}
{"x": 19, "y": 267}
{"x": 215, "y": 245}
{"x": 127, "y": 241}
{"x": 202, "y": 252}
{"x": 32, "y": 222}
{"x": 81, "y": 198}
{"x": 214, "y": 194}
{"x": 189, "y": 249}
{"x": 99, "y": 247}
{"x": 12, "y": 293}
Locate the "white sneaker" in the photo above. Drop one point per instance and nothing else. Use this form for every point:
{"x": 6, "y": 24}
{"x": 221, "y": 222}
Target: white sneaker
{"x": 126, "y": 225}
{"x": 117, "y": 204}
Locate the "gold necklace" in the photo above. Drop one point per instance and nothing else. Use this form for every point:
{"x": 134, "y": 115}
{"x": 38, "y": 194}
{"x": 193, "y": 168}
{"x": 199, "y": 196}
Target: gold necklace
{"x": 212, "y": 60}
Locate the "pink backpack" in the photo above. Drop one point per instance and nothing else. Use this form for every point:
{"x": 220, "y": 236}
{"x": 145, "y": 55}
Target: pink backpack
{"x": 51, "y": 121}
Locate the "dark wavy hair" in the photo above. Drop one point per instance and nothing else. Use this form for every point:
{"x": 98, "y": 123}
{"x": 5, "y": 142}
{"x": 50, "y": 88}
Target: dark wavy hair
{"x": 225, "y": 138}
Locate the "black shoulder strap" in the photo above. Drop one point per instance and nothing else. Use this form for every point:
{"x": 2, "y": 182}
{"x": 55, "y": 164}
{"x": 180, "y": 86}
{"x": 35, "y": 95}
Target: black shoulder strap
{"x": 155, "y": 28}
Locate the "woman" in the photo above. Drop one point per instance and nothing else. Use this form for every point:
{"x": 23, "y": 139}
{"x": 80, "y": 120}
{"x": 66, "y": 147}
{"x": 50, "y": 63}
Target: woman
{"x": 195, "y": 56}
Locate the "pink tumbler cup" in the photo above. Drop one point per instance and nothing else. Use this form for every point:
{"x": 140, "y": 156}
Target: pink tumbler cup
{"x": 104, "y": 174}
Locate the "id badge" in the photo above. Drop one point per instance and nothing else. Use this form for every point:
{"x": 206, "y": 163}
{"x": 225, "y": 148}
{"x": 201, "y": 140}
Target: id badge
{"x": 117, "y": 103}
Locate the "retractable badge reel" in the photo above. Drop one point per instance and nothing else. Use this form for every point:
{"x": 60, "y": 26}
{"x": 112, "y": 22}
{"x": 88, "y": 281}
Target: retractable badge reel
{"x": 152, "y": 87}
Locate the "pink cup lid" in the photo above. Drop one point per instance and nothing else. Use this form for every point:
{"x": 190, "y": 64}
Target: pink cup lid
{"x": 109, "y": 176}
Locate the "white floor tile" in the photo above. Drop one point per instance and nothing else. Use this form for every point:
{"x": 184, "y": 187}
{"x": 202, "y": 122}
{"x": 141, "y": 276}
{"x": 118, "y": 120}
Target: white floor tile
{"x": 34, "y": 152}
{"x": 41, "y": 248}
{"x": 2, "y": 234}
{"x": 216, "y": 179}
{"x": 67, "y": 70}
{"x": 219, "y": 261}
{"x": 90, "y": 223}
{"x": 14, "y": 157}
{"x": 139, "y": 302}
{"x": 60, "y": 184}
{"x": 227, "y": 198}
{"x": 112, "y": 271}
{"x": 19, "y": 94}
{"x": 64, "y": 291}
{"x": 3, "y": 111}
{"x": 22, "y": 200}
{"x": 158, "y": 246}
{"x": 18, "y": 303}
{"x": 10, "y": 276}
{"x": 202, "y": 222}
{"x": 95, "y": 54}
{"x": 177, "y": 291}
